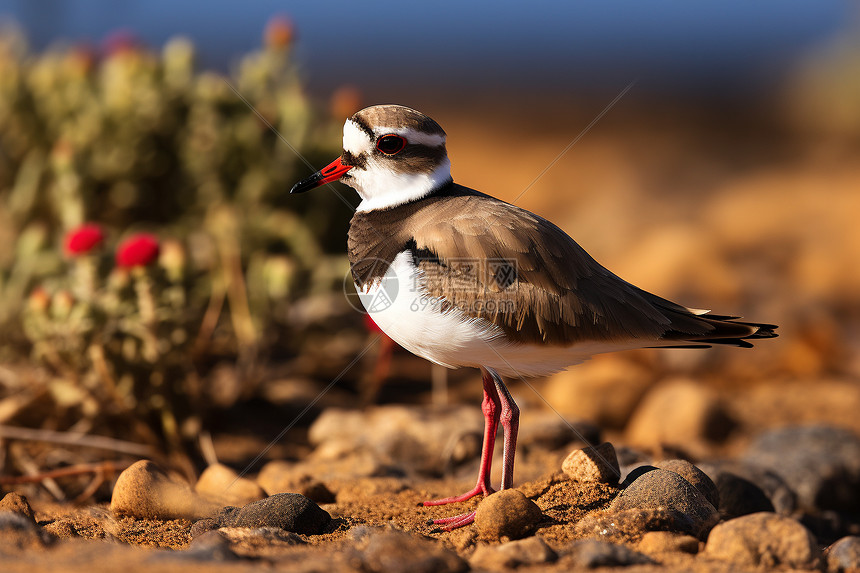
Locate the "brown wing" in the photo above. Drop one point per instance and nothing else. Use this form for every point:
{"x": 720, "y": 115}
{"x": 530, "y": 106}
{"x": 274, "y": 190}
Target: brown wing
{"x": 495, "y": 261}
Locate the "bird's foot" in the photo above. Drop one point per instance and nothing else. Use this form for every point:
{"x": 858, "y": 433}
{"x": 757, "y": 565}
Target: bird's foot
{"x": 480, "y": 489}
{"x": 452, "y": 523}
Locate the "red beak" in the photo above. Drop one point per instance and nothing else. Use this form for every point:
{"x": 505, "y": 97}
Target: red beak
{"x": 331, "y": 172}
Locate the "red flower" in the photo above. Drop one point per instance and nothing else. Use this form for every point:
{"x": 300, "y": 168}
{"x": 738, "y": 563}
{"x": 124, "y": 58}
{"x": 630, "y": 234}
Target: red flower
{"x": 84, "y": 239}
{"x": 137, "y": 251}
{"x": 279, "y": 33}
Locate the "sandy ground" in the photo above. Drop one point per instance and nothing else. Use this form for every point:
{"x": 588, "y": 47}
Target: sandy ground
{"x": 743, "y": 220}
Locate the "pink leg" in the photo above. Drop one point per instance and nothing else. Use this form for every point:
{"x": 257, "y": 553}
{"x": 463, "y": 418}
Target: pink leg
{"x": 510, "y": 420}
{"x": 491, "y": 407}
{"x": 505, "y": 411}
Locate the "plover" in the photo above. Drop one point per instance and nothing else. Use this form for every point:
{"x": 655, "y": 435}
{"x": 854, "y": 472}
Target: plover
{"x": 464, "y": 279}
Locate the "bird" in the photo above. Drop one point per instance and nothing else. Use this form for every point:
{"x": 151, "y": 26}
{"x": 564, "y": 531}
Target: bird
{"x": 464, "y": 279}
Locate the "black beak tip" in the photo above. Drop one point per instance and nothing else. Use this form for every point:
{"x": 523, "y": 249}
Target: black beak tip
{"x": 311, "y": 182}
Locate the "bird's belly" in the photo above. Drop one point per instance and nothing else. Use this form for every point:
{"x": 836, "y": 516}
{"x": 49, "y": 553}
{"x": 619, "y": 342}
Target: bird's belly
{"x": 401, "y": 306}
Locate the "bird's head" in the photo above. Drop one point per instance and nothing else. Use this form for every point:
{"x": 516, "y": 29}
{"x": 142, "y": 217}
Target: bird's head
{"x": 391, "y": 155}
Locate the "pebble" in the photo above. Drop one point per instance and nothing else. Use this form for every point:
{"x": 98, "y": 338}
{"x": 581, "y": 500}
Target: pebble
{"x": 547, "y": 430}
{"x": 506, "y": 514}
{"x": 821, "y": 464}
{"x": 17, "y": 503}
{"x": 211, "y": 546}
{"x": 679, "y": 412}
{"x": 844, "y": 555}
{"x": 593, "y": 553}
{"x": 738, "y": 495}
{"x": 409, "y": 438}
{"x": 593, "y": 464}
{"x": 695, "y": 476}
{"x": 660, "y": 488}
{"x": 387, "y": 550}
{"x": 283, "y": 477}
{"x": 657, "y": 542}
{"x": 145, "y": 490}
{"x": 530, "y": 551}
{"x": 18, "y": 532}
{"x": 601, "y": 391}
{"x": 629, "y": 524}
{"x": 223, "y": 485}
{"x": 763, "y": 539}
{"x": 288, "y": 511}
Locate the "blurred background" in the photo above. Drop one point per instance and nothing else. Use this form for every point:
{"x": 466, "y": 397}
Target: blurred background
{"x": 158, "y": 286}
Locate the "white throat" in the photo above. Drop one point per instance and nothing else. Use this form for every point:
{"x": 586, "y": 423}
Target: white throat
{"x": 382, "y": 188}
{"x": 377, "y": 184}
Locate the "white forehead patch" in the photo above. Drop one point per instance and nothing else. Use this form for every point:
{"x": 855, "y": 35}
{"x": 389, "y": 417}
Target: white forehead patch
{"x": 412, "y": 136}
{"x": 355, "y": 140}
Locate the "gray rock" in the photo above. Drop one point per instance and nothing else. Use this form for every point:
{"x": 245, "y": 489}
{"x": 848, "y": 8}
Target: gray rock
{"x": 763, "y": 539}
{"x": 593, "y": 464}
{"x": 697, "y": 478}
{"x": 384, "y": 550}
{"x": 746, "y": 488}
{"x": 145, "y": 490}
{"x": 530, "y": 551}
{"x": 665, "y": 489}
{"x": 411, "y": 438}
{"x": 288, "y": 511}
{"x": 592, "y": 553}
{"x": 657, "y": 542}
{"x": 844, "y": 555}
{"x": 506, "y": 514}
{"x": 19, "y": 532}
{"x": 821, "y": 464}
{"x": 738, "y": 496}
{"x": 17, "y": 503}
{"x": 630, "y": 523}
{"x": 210, "y": 546}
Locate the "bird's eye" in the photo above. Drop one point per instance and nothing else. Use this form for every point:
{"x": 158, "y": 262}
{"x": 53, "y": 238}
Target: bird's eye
{"x": 391, "y": 144}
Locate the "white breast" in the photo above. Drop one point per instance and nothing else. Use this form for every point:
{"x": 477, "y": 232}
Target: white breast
{"x": 403, "y": 309}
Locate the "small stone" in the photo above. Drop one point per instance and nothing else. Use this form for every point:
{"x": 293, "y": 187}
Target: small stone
{"x": 211, "y": 546}
{"x": 202, "y": 526}
{"x": 506, "y": 514}
{"x": 630, "y": 524}
{"x": 604, "y": 390}
{"x": 665, "y": 489}
{"x": 763, "y": 539}
{"x": 844, "y": 555}
{"x": 738, "y": 496}
{"x": 317, "y": 491}
{"x": 697, "y": 478}
{"x": 679, "y": 412}
{"x": 593, "y": 553}
{"x": 374, "y": 441}
{"x": 529, "y": 551}
{"x": 656, "y": 542}
{"x": 593, "y": 464}
{"x": 17, "y": 503}
{"x": 383, "y": 550}
{"x": 541, "y": 429}
{"x": 821, "y": 464}
{"x": 278, "y": 476}
{"x": 746, "y": 488}
{"x": 289, "y": 511}
{"x": 145, "y": 490}
{"x": 223, "y": 485}
{"x": 19, "y": 532}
